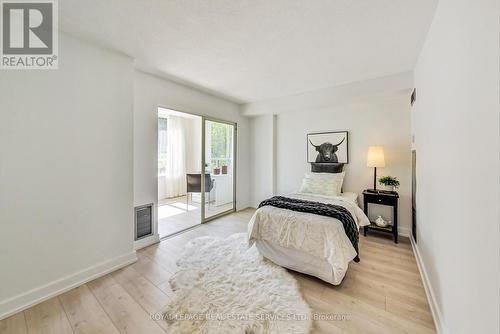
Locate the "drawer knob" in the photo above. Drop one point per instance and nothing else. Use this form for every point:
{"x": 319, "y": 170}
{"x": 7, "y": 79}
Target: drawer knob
{"x": 380, "y": 200}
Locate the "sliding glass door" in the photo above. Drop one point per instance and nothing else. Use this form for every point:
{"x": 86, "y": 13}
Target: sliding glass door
{"x": 218, "y": 159}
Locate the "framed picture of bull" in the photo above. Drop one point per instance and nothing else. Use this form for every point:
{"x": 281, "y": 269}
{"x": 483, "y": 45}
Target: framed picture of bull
{"x": 328, "y": 147}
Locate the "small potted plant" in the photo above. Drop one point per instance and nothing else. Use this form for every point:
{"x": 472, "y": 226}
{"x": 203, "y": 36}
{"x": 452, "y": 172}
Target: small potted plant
{"x": 224, "y": 169}
{"x": 217, "y": 169}
{"x": 390, "y": 182}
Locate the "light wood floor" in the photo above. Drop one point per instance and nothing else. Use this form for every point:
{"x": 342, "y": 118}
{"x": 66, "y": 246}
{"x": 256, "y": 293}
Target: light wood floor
{"x": 381, "y": 294}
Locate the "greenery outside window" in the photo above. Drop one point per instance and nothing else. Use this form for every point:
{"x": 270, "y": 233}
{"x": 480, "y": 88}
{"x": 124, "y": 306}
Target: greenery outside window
{"x": 221, "y": 145}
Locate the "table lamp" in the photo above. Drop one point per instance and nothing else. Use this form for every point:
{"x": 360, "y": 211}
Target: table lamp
{"x": 375, "y": 159}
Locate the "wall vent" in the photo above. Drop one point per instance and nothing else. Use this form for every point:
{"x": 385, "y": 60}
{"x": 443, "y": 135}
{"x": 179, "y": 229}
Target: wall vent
{"x": 143, "y": 221}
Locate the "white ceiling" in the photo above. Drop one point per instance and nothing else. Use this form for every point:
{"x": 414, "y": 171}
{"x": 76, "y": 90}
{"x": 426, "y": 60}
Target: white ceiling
{"x": 254, "y": 50}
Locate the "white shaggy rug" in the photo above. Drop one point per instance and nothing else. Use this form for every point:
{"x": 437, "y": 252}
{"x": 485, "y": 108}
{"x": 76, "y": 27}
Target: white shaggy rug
{"x": 222, "y": 286}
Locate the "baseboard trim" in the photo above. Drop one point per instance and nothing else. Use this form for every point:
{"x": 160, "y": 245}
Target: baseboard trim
{"x": 35, "y": 296}
{"x": 154, "y": 239}
{"x": 436, "y": 313}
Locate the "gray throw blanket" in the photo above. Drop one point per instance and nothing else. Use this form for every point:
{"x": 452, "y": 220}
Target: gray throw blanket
{"x": 322, "y": 209}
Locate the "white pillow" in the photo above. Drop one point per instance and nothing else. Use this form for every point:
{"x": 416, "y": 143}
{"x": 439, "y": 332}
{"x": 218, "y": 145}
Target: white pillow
{"x": 329, "y": 178}
{"x": 326, "y": 184}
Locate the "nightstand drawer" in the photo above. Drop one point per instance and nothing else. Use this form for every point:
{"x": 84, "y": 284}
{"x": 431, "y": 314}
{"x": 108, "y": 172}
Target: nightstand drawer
{"x": 383, "y": 200}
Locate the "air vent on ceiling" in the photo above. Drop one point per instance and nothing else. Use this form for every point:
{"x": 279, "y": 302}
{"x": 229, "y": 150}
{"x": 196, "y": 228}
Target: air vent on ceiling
{"x": 143, "y": 221}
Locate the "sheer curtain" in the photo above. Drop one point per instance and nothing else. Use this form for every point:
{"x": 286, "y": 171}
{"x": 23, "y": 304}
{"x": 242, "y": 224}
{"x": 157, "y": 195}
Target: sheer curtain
{"x": 175, "y": 171}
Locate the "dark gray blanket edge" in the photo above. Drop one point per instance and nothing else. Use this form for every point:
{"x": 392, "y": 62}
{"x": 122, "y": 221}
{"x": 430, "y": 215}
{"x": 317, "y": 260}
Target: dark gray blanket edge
{"x": 322, "y": 209}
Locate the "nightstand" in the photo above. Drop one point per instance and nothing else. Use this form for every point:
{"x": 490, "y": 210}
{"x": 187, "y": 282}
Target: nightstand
{"x": 389, "y": 198}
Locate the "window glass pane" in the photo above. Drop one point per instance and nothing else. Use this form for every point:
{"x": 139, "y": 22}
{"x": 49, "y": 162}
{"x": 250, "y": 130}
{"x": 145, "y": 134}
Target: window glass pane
{"x": 219, "y": 196}
{"x": 221, "y": 144}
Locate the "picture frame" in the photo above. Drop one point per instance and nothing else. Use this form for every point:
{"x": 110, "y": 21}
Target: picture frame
{"x": 328, "y": 147}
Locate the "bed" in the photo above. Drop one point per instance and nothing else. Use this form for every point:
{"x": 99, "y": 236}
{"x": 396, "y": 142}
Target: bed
{"x": 309, "y": 243}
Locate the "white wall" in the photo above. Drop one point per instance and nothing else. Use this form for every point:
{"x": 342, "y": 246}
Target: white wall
{"x": 262, "y": 139}
{"x": 456, "y": 124}
{"x": 149, "y": 93}
{"x": 384, "y": 122}
{"x": 66, "y": 190}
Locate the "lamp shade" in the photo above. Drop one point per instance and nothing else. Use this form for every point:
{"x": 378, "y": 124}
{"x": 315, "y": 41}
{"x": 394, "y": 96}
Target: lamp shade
{"x": 375, "y": 157}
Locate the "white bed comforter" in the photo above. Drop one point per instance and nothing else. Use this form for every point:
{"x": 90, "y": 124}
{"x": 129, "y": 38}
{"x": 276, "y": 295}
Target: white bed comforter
{"x": 319, "y": 236}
